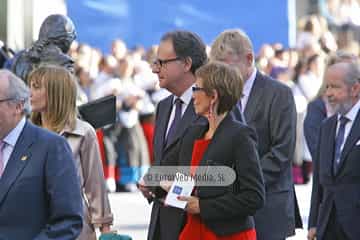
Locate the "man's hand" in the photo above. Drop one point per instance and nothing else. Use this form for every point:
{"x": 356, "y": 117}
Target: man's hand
{"x": 192, "y": 205}
{"x": 311, "y": 234}
{"x": 166, "y": 185}
{"x": 145, "y": 190}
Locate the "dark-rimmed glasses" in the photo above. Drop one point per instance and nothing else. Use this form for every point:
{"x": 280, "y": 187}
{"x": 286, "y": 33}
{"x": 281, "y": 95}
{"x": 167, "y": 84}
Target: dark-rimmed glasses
{"x": 162, "y": 62}
{"x": 196, "y": 89}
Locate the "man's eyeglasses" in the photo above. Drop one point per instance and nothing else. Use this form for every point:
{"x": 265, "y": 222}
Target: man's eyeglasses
{"x": 162, "y": 62}
{"x": 6, "y": 99}
{"x": 196, "y": 89}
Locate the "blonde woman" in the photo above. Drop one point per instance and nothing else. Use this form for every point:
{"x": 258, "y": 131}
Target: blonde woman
{"x": 53, "y": 101}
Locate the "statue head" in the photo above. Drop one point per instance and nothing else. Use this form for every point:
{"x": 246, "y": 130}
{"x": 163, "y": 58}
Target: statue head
{"x": 59, "y": 30}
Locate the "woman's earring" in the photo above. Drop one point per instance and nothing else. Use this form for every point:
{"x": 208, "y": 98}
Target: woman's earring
{"x": 211, "y": 108}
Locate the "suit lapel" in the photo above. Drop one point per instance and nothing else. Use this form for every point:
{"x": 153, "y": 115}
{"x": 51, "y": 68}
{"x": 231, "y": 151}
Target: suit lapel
{"x": 17, "y": 161}
{"x": 161, "y": 125}
{"x": 188, "y": 118}
{"x": 329, "y": 128}
{"x": 354, "y": 135}
{"x": 256, "y": 93}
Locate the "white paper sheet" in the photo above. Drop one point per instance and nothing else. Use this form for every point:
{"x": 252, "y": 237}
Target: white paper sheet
{"x": 182, "y": 186}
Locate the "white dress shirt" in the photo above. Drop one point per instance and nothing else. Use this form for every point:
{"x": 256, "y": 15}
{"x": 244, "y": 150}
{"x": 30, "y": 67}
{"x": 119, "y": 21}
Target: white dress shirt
{"x": 11, "y": 139}
{"x": 351, "y": 115}
{"x": 249, "y": 83}
{"x": 186, "y": 99}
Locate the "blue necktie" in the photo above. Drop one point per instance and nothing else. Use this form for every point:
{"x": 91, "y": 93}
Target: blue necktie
{"x": 338, "y": 142}
{"x": 174, "y": 125}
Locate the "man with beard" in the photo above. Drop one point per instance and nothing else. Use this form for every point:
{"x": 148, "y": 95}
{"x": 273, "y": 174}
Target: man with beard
{"x": 335, "y": 211}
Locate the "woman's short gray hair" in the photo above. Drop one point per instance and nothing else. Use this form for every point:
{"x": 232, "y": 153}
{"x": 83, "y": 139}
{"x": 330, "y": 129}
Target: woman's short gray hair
{"x": 17, "y": 90}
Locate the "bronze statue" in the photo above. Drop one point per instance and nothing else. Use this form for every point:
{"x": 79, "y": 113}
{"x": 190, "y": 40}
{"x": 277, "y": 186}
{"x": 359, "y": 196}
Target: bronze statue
{"x": 57, "y": 32}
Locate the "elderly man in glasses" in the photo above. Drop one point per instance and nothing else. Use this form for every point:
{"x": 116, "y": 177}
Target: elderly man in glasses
{"x": 39, "y": 187}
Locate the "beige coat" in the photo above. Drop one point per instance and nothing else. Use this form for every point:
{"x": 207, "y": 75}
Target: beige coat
{"x": 87, "y": 157}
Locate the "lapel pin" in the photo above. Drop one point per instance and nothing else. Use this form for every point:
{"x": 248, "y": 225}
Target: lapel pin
{"x": 24, "y": 158}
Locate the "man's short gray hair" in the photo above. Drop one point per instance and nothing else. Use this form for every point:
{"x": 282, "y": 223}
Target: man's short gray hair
{"x": 352, "y": 74}
{"x": 234, "y": 41}
{"x": 17, "y": 90}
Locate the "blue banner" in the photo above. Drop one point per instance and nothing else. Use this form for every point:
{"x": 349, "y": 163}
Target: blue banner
{"x": 141, "y": 22}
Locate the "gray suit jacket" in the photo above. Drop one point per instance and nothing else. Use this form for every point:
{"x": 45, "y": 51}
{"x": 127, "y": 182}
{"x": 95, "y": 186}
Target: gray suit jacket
{"x": 168, "y": 221}
{"x": 271, "y": 112}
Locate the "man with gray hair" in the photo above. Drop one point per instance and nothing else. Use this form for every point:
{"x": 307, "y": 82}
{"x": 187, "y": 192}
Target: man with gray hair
{"x": 268, "y": 107}
{"x": 39, "y": 188}
{"x": 335, "y": 212}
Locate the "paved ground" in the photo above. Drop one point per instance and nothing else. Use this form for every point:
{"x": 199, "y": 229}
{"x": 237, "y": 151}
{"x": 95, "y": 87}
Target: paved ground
{"x": 132, "y": 212}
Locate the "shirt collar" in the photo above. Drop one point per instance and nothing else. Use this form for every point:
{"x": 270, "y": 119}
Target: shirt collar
{"x": 351, "y": 115}
{"x": 186, "y": 96}
{"x": 14, "y": 134}
{"x": 249, "y": 83}
{"x": 79, "y": 129}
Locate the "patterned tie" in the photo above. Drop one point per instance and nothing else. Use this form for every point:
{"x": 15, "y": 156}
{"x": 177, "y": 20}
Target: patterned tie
{"x": 2, "y": 164}
{"x": 338, "y": 142}
{"x": 174, "y": 125}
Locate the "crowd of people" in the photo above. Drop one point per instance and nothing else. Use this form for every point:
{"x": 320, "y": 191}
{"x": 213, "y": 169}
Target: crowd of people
{"x": 270, "y": 116}
{"x": 127, "y": 73}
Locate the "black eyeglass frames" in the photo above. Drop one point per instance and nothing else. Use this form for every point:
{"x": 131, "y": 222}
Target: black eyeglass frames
{"x": 6, "y": 99}
{"x": 196, "y": 89}
{"x": 162, "y": 62}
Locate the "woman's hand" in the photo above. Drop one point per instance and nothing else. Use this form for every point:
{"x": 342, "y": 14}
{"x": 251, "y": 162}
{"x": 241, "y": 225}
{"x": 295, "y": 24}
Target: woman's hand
{"x": 192, "y": 205}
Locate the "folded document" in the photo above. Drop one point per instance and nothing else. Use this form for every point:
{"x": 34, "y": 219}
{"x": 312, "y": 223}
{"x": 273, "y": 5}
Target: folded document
{"x": 183, "y": 185}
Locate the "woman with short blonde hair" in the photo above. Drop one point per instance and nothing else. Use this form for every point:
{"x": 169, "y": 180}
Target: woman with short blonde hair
{"x": 222, "y": 212}
{"x": 226, "y": 80}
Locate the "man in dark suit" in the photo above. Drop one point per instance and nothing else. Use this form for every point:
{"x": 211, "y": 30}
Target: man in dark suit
{"x": 335, "y": 199}
{"x": 180, "y": 53}
{"x": 39, "y": 187}
{"x": 268, "y": 107}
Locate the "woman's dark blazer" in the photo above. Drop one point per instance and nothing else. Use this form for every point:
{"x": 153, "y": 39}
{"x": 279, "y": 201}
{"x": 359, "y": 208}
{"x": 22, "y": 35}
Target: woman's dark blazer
{"x": 228, "y": 209}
